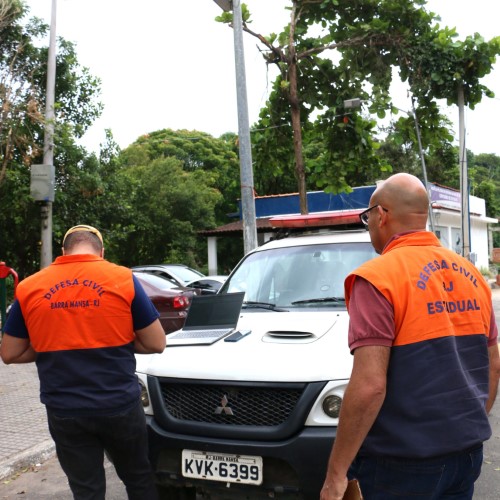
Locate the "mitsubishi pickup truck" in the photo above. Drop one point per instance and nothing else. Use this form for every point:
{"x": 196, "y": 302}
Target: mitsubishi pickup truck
{"x": 256, "y": 418}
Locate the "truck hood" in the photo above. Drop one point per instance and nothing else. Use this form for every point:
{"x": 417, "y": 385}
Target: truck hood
{"x": 282, "y": 347}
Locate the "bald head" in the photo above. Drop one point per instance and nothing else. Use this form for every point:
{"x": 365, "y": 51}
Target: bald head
{"x": 403, "y": 206}
{"x": 406, "y": 198}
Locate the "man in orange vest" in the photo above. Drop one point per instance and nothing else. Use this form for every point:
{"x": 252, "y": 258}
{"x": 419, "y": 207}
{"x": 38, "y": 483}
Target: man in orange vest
{"x": 81, "y": 320}
{"x": 426, "y": 360}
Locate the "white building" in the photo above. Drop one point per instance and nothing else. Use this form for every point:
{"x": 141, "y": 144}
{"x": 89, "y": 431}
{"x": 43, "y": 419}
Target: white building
{"x": 446, "y": 204}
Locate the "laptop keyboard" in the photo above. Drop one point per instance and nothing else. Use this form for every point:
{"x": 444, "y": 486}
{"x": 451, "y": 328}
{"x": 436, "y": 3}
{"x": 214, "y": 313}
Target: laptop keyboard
{"x": 201, "y": 334}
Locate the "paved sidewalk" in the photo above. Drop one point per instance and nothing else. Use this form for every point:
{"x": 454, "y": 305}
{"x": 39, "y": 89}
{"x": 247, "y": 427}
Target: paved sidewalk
{"x": 24, "y": 435}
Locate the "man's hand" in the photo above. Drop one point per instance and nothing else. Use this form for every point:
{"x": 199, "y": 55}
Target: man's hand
{"x": 494, "y": 357}
{"x": 333, "y": 489}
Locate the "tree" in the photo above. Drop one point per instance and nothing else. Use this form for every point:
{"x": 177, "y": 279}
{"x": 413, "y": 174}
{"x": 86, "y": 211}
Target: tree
{"x": 18, "y": 94}
{"x": 400, "y": 149}
{"x": 23, "y": 75}
{"x": 170, "y": 206}
{"x": 206, "y": 163}
{"x": 197, "y": 151}
{"x": 484, "y": 177}
{"x": 370, "y": 39}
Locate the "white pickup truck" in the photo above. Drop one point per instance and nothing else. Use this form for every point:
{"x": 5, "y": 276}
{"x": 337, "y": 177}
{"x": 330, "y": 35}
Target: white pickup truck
{"x": 257, "y": 418}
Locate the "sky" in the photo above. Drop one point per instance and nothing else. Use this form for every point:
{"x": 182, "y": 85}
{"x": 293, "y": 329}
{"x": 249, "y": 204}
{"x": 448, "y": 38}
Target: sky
{"x": 168, "y": 64}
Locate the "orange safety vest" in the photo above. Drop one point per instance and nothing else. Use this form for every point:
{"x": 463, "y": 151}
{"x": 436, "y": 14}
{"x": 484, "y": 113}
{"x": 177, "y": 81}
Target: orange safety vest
{"x": 434, "y": 291}
{"x": 78, "y": 302}
{"x": 438, "y": 373}
{"x": 79, "y": 319}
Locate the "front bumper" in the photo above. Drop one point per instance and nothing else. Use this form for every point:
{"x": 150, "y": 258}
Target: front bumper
{"x": 292, "y": 468}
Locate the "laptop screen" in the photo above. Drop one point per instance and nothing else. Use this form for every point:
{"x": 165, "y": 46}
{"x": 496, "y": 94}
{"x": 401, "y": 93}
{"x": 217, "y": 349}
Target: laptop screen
{"x": 214, "y": 310}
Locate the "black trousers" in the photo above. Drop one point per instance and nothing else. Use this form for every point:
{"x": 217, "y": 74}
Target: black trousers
{"x": 80, "y": 444}
{"x": 448, "y": 477}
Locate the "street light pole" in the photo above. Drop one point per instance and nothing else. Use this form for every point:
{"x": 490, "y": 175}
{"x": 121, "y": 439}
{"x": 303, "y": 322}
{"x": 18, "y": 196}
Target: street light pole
{"x": 464, "y": 179}
{"x": 48, "y": 146}
{"x": 245, "y": 148}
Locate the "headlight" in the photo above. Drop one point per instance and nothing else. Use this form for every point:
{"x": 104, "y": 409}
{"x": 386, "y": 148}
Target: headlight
{"x": 331, "y": 406}
{"x": 144, "y": 394}
{"x": 326, "y": 409}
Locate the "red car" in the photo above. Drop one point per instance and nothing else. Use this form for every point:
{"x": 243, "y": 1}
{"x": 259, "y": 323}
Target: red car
{"x": 171, "y": 301}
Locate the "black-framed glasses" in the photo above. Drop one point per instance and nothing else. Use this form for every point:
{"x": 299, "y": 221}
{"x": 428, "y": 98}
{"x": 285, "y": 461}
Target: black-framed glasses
{"x": 363, "y": 216}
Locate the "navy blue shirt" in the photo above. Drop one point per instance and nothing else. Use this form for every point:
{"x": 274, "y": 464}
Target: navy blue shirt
{"x": 94, "y": 381}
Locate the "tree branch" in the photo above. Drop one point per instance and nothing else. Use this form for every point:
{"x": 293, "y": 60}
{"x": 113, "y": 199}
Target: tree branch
{"x": 280, "y": 55}
{"x": 373, "y": 39}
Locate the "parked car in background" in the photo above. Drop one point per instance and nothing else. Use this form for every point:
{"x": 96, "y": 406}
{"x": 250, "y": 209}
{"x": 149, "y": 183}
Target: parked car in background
{"x": 171, "y": 300}
{"x": 208, "y": 284}
{"x": 180, "y": 273}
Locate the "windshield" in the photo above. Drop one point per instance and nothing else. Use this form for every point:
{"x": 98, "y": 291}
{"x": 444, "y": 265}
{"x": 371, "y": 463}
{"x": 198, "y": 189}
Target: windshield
{"x": 186, "y": 274}
{"x": 303, "y": 276}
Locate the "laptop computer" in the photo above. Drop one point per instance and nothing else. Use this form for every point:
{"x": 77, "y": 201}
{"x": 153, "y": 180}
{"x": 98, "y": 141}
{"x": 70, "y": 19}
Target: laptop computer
{"x": 209, "y": 318}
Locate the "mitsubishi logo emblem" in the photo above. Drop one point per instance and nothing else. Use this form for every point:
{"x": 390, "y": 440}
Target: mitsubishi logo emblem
{"x": 223, "y": 408}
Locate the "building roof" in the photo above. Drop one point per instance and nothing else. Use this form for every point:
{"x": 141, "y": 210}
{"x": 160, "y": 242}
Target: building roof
{"x": 270, "y": 206}
{"x": 235, "y": 228}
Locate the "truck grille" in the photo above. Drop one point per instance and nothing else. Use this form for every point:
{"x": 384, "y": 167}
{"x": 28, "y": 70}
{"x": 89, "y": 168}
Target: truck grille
{"x": 230, "y": 405}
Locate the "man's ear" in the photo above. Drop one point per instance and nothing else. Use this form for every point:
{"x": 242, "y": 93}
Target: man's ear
{"x": 102, "y": 253}
{"x": 383, "y": 216}
{"x": 63, "y": 252}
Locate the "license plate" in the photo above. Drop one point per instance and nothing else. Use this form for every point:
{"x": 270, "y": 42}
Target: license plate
{"x": 222, "y": 467}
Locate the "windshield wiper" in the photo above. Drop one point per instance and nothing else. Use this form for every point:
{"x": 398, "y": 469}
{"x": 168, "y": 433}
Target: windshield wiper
{"x": 320, "y": 299}
{"x": 262, "y": 305}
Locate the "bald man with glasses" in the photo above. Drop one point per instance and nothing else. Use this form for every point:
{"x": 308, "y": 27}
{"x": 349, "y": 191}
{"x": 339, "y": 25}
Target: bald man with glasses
{"x": 426, "y": 361}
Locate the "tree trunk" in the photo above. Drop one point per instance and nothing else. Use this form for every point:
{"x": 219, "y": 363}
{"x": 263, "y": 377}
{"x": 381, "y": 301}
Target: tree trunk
{"x": 297, "y": 137}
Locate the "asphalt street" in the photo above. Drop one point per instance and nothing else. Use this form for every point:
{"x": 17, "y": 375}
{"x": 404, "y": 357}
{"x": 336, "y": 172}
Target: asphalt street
{"x": 30, "y": 470}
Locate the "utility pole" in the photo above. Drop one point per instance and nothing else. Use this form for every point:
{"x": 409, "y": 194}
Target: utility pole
{"x": 422, "y": 161}
{"x": 245, "y": 147}
{"x": 464, "y": 180}
{"x": 48, "y": 143}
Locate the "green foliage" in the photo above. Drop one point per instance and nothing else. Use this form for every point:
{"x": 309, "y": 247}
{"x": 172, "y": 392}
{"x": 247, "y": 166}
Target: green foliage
{"x": 76, "y": 90}
{"x": 438, "y": 65}
{"x": 272, "y": 153}
{"x": 152, "y": 199}
{"x": 23, "y": 66}
{"x": 342, "y": 49}
{"x": 197, "y": 151}
{"x": 484, "y": 177}
{"x": 23, "y": 73}
{"x": 442, "y": 162}
{"x": 197, "y": 193}
{"x": 170, "y": 205}
{"x": 400, "y": 147}
{"x": 20, "y": 222}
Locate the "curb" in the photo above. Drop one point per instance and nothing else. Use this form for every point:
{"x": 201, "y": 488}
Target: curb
{"x": 34, "y": 455}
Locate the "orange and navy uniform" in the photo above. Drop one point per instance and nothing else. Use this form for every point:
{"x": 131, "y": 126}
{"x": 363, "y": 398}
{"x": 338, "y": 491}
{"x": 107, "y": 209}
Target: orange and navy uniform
{"x": 79, "y": 316}
{"x": 438, "y": 374}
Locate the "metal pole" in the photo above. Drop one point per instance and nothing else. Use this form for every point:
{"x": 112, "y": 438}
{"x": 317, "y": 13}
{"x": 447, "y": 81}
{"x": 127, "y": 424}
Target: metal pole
{"x": 464, "y": 181}
{"x": 422, "y": 160}
{"x": 246, "y": 169}
{"x": 48, "y": 147}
